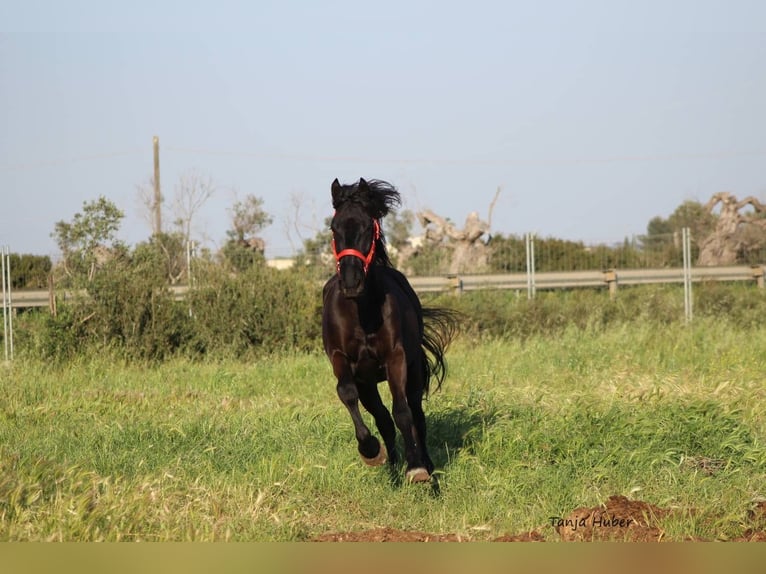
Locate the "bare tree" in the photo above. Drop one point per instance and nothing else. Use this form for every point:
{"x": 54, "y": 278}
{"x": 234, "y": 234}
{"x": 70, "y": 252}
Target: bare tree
{"x": 735, "y": 230}
{"x": 146, "y": 202}
{"x": 294, "y": 224}
{"x": 469, "y": 254}
{"x": 190, "y": 194}
{"x": 492, "y": 206}
{"x": 466, "y": 248}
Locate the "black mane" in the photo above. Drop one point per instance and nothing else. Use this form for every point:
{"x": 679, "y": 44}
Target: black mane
{"x": 377, "y": 198}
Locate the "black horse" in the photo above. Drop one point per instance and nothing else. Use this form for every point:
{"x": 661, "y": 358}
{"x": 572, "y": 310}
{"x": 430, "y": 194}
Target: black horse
{"x": 374, "y": 329}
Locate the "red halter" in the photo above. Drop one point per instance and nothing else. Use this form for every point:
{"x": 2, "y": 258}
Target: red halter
{"x": 366, "y": 259}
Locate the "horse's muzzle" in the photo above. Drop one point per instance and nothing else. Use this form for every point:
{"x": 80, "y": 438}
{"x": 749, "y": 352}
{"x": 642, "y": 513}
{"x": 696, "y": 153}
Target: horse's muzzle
{"x": 352, "y": 292}
{"x": 352, "y": 278}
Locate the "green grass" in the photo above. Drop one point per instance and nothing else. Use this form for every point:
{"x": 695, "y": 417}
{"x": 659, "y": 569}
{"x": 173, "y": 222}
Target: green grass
{"x": 521, "y": 431}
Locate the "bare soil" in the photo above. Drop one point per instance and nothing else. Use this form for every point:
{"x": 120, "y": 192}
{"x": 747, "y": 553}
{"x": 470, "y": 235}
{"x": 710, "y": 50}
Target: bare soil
{"x": 619, "y": 519}
{"x": 756, "y": 521}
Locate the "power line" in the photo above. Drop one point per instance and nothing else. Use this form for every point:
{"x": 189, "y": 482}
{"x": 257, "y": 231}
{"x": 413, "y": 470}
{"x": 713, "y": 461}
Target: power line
{"x": 70, "y": 160}
{"x": 291, "y": 157}
{"x": 468, "y": 161}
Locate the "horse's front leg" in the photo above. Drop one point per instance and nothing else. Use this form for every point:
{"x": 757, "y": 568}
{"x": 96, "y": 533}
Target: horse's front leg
{"x": 417, "y": 470}
{"x": 369, "y": 446}
{"x": 370, "y": 399}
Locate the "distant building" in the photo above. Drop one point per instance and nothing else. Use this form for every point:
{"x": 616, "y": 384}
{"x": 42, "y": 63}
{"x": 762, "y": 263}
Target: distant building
{"x": 281, "y": 264}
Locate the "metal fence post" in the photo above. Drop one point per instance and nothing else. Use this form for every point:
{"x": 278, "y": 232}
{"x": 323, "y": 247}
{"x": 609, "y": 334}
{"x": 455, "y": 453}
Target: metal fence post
{"x": 5, "y": 308}
{"x": 687, "y": 250}
{"x": 530, "y": 242}
{"x": 189, "y": 277}
{"x": 5, "y": 269}
{"x": 10, "y": 298}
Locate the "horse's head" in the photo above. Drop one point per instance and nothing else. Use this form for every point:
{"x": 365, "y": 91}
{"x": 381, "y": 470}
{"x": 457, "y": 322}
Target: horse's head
{"x": 358, "y": 242}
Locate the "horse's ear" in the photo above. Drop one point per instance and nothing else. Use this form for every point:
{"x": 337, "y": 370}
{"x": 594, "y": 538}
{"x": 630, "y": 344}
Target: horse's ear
{"x": 335, "y": 188}
{"x": 363, "y": 184}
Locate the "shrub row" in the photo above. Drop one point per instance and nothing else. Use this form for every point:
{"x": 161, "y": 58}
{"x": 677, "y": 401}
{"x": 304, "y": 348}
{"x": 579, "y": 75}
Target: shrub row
{"x": 129, "y": 312}
{"x": 506, "y": 314}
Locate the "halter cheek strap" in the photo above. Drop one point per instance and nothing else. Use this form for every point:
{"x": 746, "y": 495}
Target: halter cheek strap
{"x": 366, "y": 259}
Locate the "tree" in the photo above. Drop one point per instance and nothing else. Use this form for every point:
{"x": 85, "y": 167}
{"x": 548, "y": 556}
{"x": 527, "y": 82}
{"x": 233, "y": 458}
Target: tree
{"x": 662, "y": 243}
{"x": 190, "y": 194}
{"x": 316, "y": 253}
{"x": 147, "y": 203}
{"x": 248, "y": 219}
{"x": 736, "y": 232}
{"x": 694, "y": 216}
{"x": 294, "y": 226}
{"x": 467, "y": 249}
{"x": 30, "y": 271}
{"x": 658, "y": 227}
{"x": 468, "y": 254}
{"x": 398, "y": 226}
{"x": 171, "y": 250}
{"x": 244, "y": 247}
{"x": 90, "y": 238}
{"x": 690, "y": 214}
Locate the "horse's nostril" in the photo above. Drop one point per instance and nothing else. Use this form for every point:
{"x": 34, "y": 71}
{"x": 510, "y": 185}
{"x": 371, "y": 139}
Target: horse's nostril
{"x": 353, "y": 289}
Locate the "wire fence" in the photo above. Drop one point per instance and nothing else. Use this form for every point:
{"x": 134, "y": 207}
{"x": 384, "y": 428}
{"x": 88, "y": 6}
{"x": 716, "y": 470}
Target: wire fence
{"x": 500, "y": 255}
{"x": 513, "y": 262}
{"x": 517, "y": 253}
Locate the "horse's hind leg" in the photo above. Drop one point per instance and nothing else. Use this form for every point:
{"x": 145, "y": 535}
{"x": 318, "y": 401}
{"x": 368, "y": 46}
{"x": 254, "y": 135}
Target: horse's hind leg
{"x": 370, "y": 397}
{"x": 415, "y": 400}
{"x": 417, "y": 470}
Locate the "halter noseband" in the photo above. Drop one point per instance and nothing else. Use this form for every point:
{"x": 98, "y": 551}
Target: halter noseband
{"x": 366, "y": 259}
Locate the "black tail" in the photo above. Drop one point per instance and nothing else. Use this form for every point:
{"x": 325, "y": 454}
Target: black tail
{"x": 439, "y": 328}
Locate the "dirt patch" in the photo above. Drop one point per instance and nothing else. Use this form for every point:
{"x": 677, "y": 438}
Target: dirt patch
{"x": 533, "y": 536}
{"x": 393, "y": 535}
{"x": 388, "y": 535}
{"x": 756, "y": 524}
{"x": 619, "y": 519}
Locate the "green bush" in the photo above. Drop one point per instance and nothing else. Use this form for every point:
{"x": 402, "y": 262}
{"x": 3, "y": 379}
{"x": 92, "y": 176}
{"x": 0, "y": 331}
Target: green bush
{"x": 510, "y": 314}
{"x": 30, "y": 271}
{"x": 126, "y": 308}
{"x": 129, "y": 311}
{"x": 259, "y": 308}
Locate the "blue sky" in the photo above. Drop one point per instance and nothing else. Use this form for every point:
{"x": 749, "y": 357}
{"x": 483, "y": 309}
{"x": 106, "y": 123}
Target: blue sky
{"x": 593, "y": 116}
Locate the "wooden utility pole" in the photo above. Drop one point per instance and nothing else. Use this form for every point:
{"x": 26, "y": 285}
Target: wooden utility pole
{"x": 157, "y": 194}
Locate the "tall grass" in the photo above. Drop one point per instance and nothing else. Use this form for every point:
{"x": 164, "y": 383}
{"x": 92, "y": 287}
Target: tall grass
{"x": 522, "y": 430}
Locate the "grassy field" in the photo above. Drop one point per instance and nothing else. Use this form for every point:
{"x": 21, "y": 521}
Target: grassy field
{"x": 520, "y": 432}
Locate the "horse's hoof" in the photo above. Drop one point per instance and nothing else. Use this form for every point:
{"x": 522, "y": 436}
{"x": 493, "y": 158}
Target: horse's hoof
{"x": 378, "y": 460}
{"x": 418, "y": 475}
